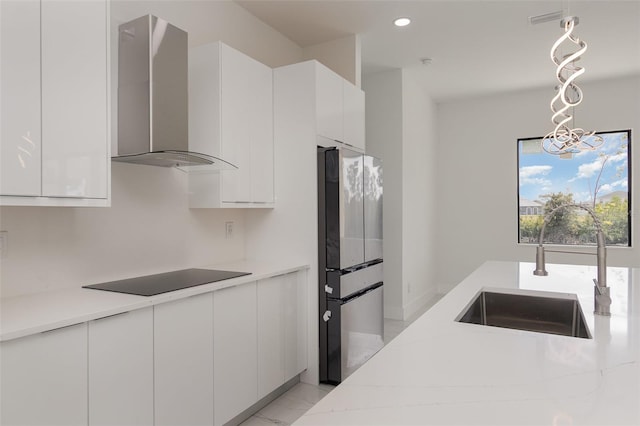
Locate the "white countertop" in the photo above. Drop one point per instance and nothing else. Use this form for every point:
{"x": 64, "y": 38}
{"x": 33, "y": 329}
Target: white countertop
{"x": 439, "y": 371}
{"x": 24, "y": 315}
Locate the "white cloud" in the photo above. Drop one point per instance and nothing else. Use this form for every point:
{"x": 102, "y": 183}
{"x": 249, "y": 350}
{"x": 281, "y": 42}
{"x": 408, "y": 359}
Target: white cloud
{"x": 618, "y": 157}
{"x": 613, "y": 186}
{"x": 588, "y": 169}
{"x": 534, "y": 175}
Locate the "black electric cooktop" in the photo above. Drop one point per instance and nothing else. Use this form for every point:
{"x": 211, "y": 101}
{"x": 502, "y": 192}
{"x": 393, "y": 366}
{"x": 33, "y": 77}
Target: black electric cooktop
{"x": 150, "y": 285}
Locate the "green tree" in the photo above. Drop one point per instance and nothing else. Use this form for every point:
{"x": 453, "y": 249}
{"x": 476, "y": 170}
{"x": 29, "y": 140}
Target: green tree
{"x": 530, "y": 228}
{"x": 614, "y": 217}
{"x": 561, "y": 227}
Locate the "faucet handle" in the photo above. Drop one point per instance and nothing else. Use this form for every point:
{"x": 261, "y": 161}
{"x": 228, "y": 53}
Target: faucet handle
{"x": 602, "y": 299}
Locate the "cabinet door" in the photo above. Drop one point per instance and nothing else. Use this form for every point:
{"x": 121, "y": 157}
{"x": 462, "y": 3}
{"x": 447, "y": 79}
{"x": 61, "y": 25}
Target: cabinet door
{"x": 353, "y": 115}
{"x": 74, "y": 98}
{"x": 121, "y": 369}
{"x": 235, "y": 351}
{"x": 231, "y": 116}
{"x": 183, "y": 361}
{"x": 236, "y": 116}
{"x": 20, "y": 148}
{"x": 329, "y": 104}
{"x": 271, "y": 339}
{"x": 262, "y": 154}
{"x": 44, "y": 378}
{"x": 295, "y": 323}
{"x": 282, "y": 330}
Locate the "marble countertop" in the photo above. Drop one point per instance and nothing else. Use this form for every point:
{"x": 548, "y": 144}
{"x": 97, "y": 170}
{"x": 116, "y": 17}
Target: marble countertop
{"x": 35, "y": 313}
{"x": 439, "y": 371}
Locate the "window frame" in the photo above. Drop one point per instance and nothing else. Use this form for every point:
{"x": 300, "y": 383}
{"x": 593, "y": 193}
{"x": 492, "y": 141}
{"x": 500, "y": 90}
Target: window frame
{"x": 629, "y": 192}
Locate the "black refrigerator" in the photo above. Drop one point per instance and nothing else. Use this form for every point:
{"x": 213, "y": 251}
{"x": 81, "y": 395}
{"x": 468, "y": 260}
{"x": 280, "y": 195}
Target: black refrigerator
{"x": 350, "y": 282}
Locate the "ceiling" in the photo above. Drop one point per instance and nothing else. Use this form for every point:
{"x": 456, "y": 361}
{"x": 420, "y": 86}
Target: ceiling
{"x": 476, "y": 46}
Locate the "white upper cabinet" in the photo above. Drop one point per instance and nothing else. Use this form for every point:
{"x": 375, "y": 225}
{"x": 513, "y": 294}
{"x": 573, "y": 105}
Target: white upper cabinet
{"x": 74, "y": 99}
{"x": 329, "y": 104}
{"x": 339, "y": 108}
{"x": 353, "y": 108}
{"x": 54, "y": 143}
{"x": 231, "y": 117}
{"x": 20, "y": 147}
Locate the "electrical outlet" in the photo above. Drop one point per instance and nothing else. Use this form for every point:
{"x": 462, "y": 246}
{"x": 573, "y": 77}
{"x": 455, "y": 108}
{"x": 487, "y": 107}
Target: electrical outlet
{"x": 4, "y": 244}
{"x": 228, "y": 229}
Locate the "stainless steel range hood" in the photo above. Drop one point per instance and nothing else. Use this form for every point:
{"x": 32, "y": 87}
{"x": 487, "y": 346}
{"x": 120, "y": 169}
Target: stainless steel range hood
{"x": 153, "y": 103}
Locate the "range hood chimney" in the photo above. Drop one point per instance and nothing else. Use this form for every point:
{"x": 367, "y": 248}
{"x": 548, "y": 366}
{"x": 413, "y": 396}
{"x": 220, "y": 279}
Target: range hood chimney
{"x": 153, "y": 103}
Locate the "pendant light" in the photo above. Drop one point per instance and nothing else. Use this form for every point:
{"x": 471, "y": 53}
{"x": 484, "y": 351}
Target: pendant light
{"x": 565, "y": 140}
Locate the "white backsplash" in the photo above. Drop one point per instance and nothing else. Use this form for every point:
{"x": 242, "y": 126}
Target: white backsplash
{"x": 148, "y": 229}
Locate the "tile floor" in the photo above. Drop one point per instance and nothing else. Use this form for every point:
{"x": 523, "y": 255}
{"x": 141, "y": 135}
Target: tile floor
{"x": 296, "y": 401}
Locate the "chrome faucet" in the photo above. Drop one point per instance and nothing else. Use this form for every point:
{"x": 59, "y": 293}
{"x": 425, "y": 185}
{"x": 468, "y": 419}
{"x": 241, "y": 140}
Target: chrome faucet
{"x": 602, "y": 298}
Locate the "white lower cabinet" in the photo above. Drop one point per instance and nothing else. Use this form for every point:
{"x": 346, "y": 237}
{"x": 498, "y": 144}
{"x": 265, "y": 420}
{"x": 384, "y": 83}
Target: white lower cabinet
{"x": 235, "y": 351}
{"x": 270, "y": 334}
{"x": 201, "y": 360}
{"x": 121, "y": 369}
{"x": 295, "y": 323}
{"x": 44, "y": 378}
{"x": 282, "y": 330}
{"x": 183, "y": 361}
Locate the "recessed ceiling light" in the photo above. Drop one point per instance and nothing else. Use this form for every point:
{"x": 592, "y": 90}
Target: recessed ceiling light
{"x": 401, "y": 22}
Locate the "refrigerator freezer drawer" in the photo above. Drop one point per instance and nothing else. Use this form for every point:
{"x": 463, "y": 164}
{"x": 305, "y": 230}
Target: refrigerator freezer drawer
{"x": 356, "y": 333}
{"x": 343, "y": 285}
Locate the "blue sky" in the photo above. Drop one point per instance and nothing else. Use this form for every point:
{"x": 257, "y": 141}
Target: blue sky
{"x": 542, "y": 173}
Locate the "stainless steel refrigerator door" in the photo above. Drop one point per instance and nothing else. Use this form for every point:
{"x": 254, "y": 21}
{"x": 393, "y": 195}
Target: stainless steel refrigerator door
{"x": 362, "y": 330}
{"x": 361, "y": 333}
{"x": 372, "y": 208}
{"x": 351, "y": 209}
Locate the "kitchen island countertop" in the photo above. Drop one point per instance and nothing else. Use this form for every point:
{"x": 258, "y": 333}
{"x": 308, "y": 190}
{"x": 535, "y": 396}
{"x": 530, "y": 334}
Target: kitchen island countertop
{"x": 439, "y": 371}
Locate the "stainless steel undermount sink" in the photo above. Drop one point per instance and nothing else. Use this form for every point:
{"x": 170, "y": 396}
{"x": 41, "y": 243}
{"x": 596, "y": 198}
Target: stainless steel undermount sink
{"x": 543, "y": 312}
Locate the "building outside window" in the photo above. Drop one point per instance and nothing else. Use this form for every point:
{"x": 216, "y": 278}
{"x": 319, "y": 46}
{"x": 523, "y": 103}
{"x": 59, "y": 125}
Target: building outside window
{"x": 599, "y": 180}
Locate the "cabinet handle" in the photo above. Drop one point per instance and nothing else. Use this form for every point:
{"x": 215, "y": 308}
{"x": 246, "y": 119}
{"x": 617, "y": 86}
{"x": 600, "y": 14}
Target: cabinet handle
{"x": 111, "y": 316}
{"x": 60, "y": 328}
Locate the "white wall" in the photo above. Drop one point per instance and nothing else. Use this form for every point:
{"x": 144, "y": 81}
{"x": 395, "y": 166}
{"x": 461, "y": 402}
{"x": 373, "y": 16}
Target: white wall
{"x": 419, "y": 183}
{"x": 341, "y": 55}
{"x": 208, "y": 21}
{"x": 401, "y": 129}
{"x": 384, "y": 140}
{"x": 149, "y": 227}
{"x": 477, "y": 172}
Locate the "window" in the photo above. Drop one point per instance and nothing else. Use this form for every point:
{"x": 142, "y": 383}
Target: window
{"x": 598, "y": 180}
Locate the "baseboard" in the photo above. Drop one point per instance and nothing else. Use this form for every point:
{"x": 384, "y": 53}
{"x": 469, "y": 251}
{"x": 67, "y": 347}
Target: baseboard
{"x": 444, "y": 288}
{"x": 263, "y": 402}
{"x": 408, "y": 311}
{"x": 417, "y": 304}
{"x": 394, "y": 313}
